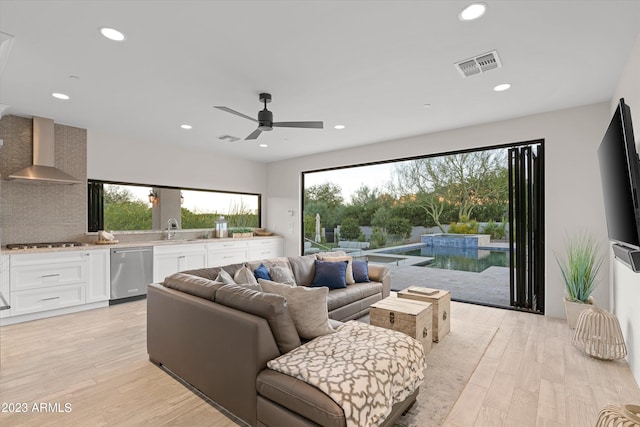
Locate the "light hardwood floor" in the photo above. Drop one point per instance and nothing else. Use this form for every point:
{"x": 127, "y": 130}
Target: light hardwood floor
{"x": 96, "y": 361}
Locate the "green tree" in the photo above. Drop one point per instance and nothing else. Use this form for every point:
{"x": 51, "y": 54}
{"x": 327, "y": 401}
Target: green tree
{"x": 123, "y": 212}
{"x": 381, "y": 219}
{"x": 329, "y": 193}
{"x": 350, "y": 229}
{"x": 399, "y": 226}
{"x": 464, "y": 180}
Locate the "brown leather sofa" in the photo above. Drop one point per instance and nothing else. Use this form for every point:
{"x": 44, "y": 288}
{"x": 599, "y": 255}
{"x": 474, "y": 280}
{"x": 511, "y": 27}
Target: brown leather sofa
{"x": 219, "y": 341}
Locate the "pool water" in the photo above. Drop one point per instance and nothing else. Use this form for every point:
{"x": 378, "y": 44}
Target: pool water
{"x": 461, "y": 259}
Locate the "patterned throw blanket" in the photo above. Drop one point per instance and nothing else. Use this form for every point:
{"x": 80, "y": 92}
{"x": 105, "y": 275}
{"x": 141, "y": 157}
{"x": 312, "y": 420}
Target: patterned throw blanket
{"x": 364, "y": 369}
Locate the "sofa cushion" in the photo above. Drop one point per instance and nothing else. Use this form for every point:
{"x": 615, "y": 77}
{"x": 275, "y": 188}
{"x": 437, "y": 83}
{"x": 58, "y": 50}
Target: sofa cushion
{"x": 303, "y": 268}
{"x": 361, "y": 271}
{"x": 271, "y": 307}
{"x": 308, "y": 307}
{"x": 193, "y": 285}
{"x": 349, "y": 259}
{"x": 282, "y": 274}
{"x": 341, "y": 297}
{"x": 331, "y": 274}
{"x": 299, "y": 397}
{"x": 245, "y": 275}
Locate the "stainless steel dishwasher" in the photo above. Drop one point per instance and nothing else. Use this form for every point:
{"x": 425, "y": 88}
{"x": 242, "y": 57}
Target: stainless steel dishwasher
{"x": 131, "y": 272}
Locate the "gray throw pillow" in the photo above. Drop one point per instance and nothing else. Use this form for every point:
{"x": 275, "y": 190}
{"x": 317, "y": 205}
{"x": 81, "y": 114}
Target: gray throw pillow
{"x": 282, "y": 274}
{"x": 225, "y": 278}
{"x": 245, "y": 275}
{"x": 308, "y": 307}
{"x": 271, "y": 307}
{"x": 303, "y": 268}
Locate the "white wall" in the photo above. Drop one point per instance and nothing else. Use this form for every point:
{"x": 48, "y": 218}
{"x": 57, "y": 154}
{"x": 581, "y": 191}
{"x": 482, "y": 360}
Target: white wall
{"x": 573, "y": 194}
{"x": 113, "y": 158}
{"x": 626, "y": 284}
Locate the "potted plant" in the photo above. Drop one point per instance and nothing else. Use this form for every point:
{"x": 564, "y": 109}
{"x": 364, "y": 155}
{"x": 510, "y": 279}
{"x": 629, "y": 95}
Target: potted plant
{"x": 579, "y": 268}
{"x": 237, "y": 232}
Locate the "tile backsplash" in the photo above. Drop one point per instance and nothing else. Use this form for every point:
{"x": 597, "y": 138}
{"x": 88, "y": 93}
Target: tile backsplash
{"x": 42, "y": 212}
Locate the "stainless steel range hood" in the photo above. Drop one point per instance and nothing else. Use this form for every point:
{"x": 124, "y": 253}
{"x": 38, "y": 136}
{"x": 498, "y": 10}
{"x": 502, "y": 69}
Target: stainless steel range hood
{"x": 43, "y": 169}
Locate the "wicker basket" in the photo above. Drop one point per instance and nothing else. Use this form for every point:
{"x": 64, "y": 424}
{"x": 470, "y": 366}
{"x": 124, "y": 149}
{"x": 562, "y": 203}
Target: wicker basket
{"x": 619, "y": 416}
{"x": 598, "y": 334}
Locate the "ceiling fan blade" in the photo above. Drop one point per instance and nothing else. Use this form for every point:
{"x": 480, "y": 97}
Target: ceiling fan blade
{"x": 229, "y": 110}
{"x": 309, "y": 125}
{"x": 254, "y": 134}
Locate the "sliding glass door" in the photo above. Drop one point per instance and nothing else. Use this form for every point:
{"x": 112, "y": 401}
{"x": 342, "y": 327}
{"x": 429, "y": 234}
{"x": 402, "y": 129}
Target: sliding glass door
{"x": 526, "y": 226}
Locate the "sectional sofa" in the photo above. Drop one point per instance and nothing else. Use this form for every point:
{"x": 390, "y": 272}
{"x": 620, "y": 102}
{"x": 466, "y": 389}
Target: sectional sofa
{"x": 221, "y": 338}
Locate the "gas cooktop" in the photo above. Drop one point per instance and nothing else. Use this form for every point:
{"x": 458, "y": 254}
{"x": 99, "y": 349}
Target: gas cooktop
{"x": 44, "y": 245}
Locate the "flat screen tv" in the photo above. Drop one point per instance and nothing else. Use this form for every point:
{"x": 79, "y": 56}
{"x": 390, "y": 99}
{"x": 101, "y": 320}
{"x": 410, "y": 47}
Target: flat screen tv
{"x": 620, "y": 173}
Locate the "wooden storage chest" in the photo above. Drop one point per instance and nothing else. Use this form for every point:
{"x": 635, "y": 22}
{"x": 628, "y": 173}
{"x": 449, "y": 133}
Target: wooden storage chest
{"x": 410, "y": 317}
{"x": 441, "y": 301}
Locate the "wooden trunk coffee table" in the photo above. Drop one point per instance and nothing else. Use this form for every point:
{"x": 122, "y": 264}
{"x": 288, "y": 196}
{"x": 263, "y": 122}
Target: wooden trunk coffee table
{"x": 441, "y": 301}
{"x": 410, "y": 317}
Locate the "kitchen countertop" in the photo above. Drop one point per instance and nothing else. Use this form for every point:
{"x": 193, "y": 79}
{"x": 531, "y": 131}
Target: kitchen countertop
{"x": 92, "y": 246}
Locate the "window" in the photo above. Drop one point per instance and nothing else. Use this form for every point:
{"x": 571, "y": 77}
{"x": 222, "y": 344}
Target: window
{"x": 127, "y": 206}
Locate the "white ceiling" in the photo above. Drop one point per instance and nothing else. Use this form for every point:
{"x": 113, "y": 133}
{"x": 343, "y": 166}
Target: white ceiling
{"x": 370, "y": 65}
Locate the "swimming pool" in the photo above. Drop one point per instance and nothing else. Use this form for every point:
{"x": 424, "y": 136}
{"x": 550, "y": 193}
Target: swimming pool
{"x": 460, "y": 259}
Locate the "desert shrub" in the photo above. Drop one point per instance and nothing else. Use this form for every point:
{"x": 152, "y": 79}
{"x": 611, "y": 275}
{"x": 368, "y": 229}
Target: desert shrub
{"x": 465, "y": 226}
{"x": 378, "y": 239}
{"x": 496, "y": 230}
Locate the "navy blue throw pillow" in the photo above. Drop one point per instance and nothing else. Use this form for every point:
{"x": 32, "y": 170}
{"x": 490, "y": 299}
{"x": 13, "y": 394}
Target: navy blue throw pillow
{"x": 331, "y": 274}
{"x": 360, "y": 271}
{"x": 262, "y": 272}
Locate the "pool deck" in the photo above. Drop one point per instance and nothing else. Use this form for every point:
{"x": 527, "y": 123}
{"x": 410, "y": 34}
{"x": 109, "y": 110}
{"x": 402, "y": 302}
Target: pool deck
{"x": 488, "y": 287}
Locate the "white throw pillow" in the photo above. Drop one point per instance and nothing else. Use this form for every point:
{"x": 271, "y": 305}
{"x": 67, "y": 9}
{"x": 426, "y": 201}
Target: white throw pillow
{"x": 225, "y": 278}
{"x": 281, "y": 274}
{"x": 308, "y": 307}
{"x": 245, "y": 276}
{"x": 349, "y": 276}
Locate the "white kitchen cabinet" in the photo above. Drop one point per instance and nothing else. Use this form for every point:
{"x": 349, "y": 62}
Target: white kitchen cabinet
{"x": 4, "y": 283}
{"x": 47, "y": 281}
{"x": 170, "y": 259}
{"x": 99, "y": 284}
{"x": 227, "y": 252}
{"x": 265, "y": 248}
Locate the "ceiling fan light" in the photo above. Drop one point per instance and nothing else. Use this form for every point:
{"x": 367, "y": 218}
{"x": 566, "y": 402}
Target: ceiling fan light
{"x": 265, "y": 128}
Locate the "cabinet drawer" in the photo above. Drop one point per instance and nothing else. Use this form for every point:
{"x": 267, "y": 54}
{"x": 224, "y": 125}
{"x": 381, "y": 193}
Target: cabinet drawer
{"x": 231, "y": 256}
{"x": 35, "y": 300}
{"x": 50, "y": 258}
{"x": 271, "y": 251}
{"x": 42, "y": 276}
{"x": 226, "y": 245}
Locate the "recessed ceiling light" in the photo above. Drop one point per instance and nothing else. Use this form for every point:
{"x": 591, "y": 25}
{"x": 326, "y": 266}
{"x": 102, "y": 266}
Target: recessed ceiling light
{"x": 263, "y": 145}
{"x": 186, "y": 126}
{"x": 60, "y": 95}
{"x": 426, "y": 106}
{"x": 473, "y": 11}
{"x": 112, "y": 34}
{"x": 339, "y": 127}
{"x": 502, "y": 87}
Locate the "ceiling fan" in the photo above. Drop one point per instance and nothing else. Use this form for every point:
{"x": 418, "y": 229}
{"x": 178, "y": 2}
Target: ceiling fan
{"x": 265, "y": 119}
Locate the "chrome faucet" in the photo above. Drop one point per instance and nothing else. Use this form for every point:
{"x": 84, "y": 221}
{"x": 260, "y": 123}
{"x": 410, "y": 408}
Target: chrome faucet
{"x": 172, "y": 226}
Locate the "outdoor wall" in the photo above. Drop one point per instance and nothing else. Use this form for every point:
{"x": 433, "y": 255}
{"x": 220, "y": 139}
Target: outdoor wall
{"x": 626, "y": 284}
{"x": 571, "y": 139}
{"x": 112, "y": 158}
